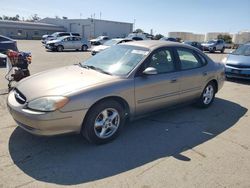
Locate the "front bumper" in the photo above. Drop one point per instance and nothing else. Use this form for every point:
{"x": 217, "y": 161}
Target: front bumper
{"x": 207, "y": 48}
{"x": 45, "y": 123}
{"x": 243, "y": 73}
{"x": 50, "y": 47}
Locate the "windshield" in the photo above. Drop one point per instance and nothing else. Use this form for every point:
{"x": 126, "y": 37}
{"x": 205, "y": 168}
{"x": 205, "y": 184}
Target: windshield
{"x": 111, "y": 42}
{"x": 211, "y": 42}
{"x": 117, "y": 60}
{"x": 242, "y": 50}
{"x": 99, "y": 38}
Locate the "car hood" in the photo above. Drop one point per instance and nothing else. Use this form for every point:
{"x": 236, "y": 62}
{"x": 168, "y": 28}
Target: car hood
{"x": 207, "y": 44}
{"x": 95, "y": 40}
{"x": 238, "y": 60}
{"x": 61, "y": 81}
{"x": 100, "y": 48}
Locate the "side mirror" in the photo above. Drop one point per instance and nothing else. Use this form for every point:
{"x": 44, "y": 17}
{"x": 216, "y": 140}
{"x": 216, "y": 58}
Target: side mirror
{"x": 150, "y": 71}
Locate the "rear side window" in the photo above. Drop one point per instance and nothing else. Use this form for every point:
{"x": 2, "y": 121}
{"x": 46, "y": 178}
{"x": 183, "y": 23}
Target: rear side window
{"x": 188, "y": 60}
{"x": 63, "y": 34}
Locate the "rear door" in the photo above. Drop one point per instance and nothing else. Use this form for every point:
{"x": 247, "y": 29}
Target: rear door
{"x": 162, "y": 89}
{"x": 193, "y": 73}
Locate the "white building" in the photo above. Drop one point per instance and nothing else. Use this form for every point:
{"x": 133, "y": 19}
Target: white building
{"x": 27, "y": 30}
{"x": 187, "y": 36}
{"x": 91, "y": 28}
{"x": 214, "y": 35}
{"x": 241, "y": 37}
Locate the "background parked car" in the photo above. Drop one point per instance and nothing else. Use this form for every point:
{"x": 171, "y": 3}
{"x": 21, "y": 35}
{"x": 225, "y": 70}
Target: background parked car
{"x": 67, "y": 42}
{"x": 108, "y": 44}
{"x": 6, "y": 44}
{"x": 56, "y": 35}
{"x": 214, "y": 45}
{"x": 99, "y": 40}
{"x": 139, "y": 36}
{"x": 172, "y": 39}
{"x": 194, "y": 44}
{"x": 238, "y": 63}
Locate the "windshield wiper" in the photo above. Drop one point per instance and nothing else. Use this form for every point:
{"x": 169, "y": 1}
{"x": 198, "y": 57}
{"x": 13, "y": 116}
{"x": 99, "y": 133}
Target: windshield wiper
{"x": 95, "y": 68}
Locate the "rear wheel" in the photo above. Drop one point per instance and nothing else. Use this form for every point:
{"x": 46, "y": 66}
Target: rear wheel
{"x": 207, "y": 96}
{"x": 60, "y": 48}
{"x": 103, "y": 122}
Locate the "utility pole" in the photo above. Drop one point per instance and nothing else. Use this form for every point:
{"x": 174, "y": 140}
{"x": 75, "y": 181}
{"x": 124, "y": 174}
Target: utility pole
{"x": 100, "y": 15}
{"x": 134, "y": 24}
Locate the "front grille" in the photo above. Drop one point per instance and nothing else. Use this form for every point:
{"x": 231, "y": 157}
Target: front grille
{"x": 20, "y": 98}
{"x": 238, "y": 66}
{"x": 235, "y": 74}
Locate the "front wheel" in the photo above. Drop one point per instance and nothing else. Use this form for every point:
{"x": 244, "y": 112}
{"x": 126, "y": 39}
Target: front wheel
{"x": 60, "y": 48}
{"x": 84, "y": 48}
{"x": 207, "y": 96}
{"x": 103, "y": 122}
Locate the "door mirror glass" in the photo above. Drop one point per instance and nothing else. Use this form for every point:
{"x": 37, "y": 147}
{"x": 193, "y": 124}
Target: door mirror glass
{"x": 150, "y": 71}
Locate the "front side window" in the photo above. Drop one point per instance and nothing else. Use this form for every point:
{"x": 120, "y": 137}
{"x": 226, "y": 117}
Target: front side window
{"x": 188, "y": 60}
{"x": 162, "y": 61}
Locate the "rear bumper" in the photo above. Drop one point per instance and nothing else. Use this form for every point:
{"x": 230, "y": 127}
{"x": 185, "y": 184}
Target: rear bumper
{"x": 45, "y": 123}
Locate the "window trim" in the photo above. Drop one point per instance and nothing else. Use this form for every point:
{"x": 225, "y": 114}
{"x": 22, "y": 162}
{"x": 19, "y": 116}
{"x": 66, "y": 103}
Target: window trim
{"x": 195, "y": 55}
{"x": 146, "y": 62}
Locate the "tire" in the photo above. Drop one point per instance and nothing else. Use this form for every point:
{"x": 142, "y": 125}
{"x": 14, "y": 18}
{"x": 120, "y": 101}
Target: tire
{"x": 59, "y": 48}
{"x": 222, "y": 50}
{"x": 207, "y": 96}
{"x": 84, "y": 47}
{"x": 103, "y": 122}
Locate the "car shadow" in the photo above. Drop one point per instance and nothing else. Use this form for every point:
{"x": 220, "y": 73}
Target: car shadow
{"x": 239, "y": 81}
{"x": 70, "y": 160}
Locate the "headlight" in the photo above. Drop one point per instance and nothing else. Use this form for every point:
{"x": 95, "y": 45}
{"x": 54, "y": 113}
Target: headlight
{"x": 48, "y": 104}
{"x": 224, "y": 60}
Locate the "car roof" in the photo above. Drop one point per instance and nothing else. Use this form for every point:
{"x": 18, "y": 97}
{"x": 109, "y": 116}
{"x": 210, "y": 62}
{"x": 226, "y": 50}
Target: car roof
{"x": 153, "y": 44}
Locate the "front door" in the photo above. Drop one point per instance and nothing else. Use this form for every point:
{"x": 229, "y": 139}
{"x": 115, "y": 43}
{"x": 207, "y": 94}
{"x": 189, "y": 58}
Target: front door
{"x": 153, "y": 92}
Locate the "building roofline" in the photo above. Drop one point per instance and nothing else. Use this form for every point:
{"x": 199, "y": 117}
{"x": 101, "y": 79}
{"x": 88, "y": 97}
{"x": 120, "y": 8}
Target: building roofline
{"x": 85, "y": 19}
{"x": 28, "y": 23}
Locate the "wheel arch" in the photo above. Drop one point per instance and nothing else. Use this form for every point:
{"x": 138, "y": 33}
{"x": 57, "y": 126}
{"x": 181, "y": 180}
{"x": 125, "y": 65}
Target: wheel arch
{"x": 118, "y": 99}
{"x": 214, "y": 81}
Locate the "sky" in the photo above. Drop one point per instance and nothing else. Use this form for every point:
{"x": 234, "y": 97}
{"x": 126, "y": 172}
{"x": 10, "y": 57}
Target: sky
{"x": 163, "y": 16}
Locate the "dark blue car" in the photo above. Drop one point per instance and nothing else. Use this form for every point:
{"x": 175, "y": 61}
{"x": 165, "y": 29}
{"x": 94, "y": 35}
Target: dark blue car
{"x": 6, "y": 44}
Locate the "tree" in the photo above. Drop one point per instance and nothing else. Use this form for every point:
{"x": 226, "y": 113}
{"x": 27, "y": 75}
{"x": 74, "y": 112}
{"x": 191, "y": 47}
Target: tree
{"x": 158, "y": 36}
{"x": 14, "y": 18}
{"x": 139, "y": 31}
{"x": 1, "y": 18}
{"x": 226, "y": 38}
{"x": 33, "y": 18}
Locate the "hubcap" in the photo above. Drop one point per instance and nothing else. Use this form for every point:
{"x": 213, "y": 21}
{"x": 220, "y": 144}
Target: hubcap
{"x": 107, "y": 123}
{"x": 208, "y": 94}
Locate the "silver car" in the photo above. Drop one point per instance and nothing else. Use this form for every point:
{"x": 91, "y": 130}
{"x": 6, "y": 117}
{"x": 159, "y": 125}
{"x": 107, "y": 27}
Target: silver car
{"x": 238, "y": 63}
{"x": 125, "y": 81}
{"x": 108, "y": 44}
{"x": 67, "y": 43}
